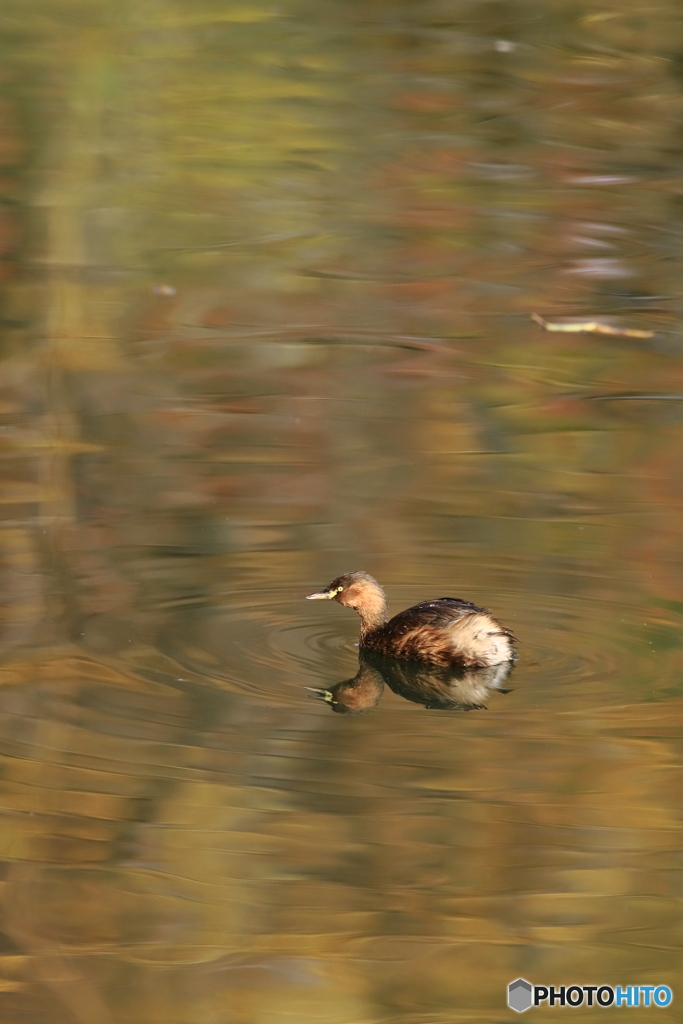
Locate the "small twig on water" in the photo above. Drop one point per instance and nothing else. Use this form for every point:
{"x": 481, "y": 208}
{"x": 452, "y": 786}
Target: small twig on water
{"x": 591, "y": 327}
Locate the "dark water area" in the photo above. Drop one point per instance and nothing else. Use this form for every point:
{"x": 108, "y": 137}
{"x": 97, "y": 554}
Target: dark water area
{"x": 267, "y": 274}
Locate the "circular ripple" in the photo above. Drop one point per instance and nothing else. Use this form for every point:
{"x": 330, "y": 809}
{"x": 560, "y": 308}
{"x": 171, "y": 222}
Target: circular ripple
{"x": 573, "y": 647}
{"x": 268, "y": 649}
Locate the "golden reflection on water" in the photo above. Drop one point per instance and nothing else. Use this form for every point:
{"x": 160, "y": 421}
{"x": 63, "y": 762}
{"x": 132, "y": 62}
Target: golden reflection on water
{"x": 266, "y": 282}
{"x": 169, "y": 849}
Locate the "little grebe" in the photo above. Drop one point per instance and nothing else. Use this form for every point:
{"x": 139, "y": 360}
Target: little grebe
{"x": 446, "y": 631}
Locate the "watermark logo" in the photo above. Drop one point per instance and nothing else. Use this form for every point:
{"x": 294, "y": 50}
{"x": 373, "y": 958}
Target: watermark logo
{"x": 522, "y": 995}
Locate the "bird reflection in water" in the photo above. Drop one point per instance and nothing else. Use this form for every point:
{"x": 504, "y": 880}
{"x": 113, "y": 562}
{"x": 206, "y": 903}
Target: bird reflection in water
{"x": 436, "y": 687}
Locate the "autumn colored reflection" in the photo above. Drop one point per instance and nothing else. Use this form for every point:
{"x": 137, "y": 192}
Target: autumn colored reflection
{"x": 267, "y": 278}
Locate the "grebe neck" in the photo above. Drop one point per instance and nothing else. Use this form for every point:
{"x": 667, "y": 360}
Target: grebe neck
{"x": 374, "y": 612}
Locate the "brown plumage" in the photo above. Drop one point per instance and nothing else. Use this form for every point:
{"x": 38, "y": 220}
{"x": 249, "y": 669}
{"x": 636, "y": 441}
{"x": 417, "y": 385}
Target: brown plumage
{"x": 447, "y": 631}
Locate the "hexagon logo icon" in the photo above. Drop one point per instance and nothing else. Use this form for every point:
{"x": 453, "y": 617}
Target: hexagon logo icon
{"x": 520, "y": 995}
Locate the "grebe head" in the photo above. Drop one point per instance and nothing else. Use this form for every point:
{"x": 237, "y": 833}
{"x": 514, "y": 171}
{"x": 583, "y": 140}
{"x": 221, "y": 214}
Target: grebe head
{"x": 357, "y": 590}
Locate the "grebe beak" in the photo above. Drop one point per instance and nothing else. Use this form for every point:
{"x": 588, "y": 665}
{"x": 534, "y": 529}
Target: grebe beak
{"x": 323, "y": 595}
{"x": 325, "y": 695}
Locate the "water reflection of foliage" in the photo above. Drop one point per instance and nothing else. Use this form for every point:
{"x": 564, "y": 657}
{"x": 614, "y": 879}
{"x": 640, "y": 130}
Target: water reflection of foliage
{"x": 362, "y": 201}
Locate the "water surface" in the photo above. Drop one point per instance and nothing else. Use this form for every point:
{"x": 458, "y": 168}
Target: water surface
{"x": 267, "y": 276}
